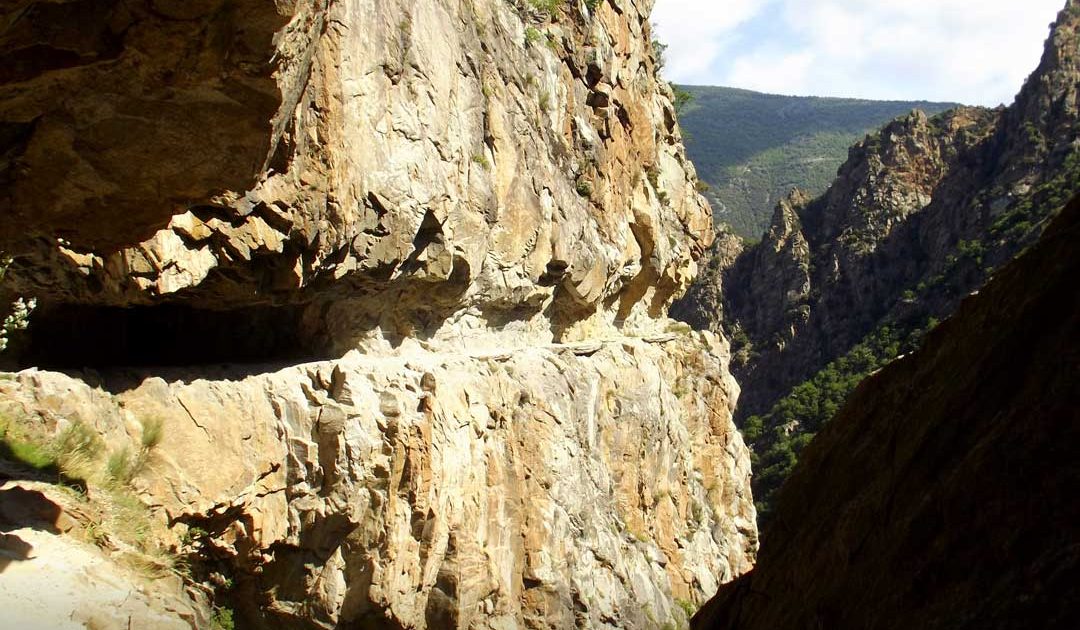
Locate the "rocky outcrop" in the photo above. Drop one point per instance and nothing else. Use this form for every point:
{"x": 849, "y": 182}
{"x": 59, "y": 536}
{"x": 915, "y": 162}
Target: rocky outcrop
{"x": 585, "y": 485}
{"x": 703, "y": 303}
{"x": 828, "y": 270}
{"x": 55, "y": 578}
{"x": 782, "y": 285}
{"x": 473, "y": 215}
{"x": 941, "y": 494}
{"x": 378, "y": 164}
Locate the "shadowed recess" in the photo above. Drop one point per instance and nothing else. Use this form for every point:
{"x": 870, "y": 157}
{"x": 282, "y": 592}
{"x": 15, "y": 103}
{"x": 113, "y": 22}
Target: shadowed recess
{"x": 87, "y": 336}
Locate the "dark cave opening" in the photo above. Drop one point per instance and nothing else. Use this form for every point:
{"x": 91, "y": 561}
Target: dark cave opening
{"x": 77, "y": 336}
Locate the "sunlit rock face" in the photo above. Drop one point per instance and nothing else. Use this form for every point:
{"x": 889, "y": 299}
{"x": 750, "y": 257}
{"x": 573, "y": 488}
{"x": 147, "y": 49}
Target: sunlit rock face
{"x": 385, "y": 164}
{"x": 586, "y": 485}
{"x": 411, "y": 262}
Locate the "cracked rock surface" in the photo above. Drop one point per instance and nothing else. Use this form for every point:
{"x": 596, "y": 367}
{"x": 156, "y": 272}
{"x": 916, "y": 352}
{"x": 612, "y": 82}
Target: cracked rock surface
{"x": 474, "y": 215}
{"x": 437, "y": 157}
{"x": 585, "y": 485}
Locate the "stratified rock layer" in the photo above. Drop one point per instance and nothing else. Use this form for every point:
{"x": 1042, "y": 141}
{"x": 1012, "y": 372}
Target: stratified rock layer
{"x": 942, "y": 494}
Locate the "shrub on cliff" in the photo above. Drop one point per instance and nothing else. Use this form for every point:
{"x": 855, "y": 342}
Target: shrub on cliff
{"x": 778, "y": 436}
{"x": 19, "y": 317}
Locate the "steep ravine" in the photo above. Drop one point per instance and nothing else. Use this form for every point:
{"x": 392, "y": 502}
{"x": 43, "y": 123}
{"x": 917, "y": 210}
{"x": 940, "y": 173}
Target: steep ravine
{"x": 392, "y": 277}
{"x": 942, "y": 495}
{"x": 919, "y": 216}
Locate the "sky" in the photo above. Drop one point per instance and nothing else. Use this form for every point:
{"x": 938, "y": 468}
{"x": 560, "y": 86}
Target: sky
{"x": 976, "y": 52}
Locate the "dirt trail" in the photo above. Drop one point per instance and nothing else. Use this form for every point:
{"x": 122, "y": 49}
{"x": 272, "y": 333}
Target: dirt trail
{"x": 52, "y": 581}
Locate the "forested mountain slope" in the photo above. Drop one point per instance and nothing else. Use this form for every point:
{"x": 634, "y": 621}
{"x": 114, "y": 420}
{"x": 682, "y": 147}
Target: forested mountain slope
{"x": 752, "y": 148}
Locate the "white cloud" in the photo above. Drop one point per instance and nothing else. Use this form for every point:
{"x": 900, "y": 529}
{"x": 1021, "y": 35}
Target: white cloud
{"x": 973, "y": 51}
{"x": 695, "y": 32}
{"x": 784, "y": 70}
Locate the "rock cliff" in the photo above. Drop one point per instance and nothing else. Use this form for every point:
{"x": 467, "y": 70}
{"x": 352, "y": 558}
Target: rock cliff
{"x": 466, "y": 218}
{"x": 591, "y": 485}
{"x": 372, "y": 164}
{"x": 941, "y": 495}
{"x": 918, "y": 217}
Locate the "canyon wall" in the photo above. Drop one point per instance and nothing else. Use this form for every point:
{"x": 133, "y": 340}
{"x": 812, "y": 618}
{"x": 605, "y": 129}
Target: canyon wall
{"x": 394, "y": 277}
{"x": 940, "y": 496}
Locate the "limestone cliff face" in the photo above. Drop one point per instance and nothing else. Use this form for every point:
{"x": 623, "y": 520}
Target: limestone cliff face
{"x": 914, "y": 507}
{"x": 474, "y": 214}
{"x": 702, "y": 305}
{"x": 480, "y": 159}
{"x": 918, "y": 216}
{"x": 589, "y": 485}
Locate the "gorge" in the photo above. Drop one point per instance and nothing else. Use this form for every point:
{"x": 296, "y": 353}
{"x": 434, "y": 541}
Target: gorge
{"x": 355, "y": 314}
{"x": 920, "y": 215}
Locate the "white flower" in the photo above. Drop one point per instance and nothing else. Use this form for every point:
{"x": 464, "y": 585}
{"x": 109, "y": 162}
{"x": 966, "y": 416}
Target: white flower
{"x": 18, "y": 319}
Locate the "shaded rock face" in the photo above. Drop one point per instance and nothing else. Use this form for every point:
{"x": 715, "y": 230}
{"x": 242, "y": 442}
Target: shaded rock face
{"x": 589, "y": 485}
{"x": 702, "y": 305}
{"x": 129, "y": 109}
{"x": 426, "y": 196}
{"x": 916, "y": 218}
{"x": 941, "y": 495}
{"x": 783, "y": 279}
{"x": 378, "y": 163}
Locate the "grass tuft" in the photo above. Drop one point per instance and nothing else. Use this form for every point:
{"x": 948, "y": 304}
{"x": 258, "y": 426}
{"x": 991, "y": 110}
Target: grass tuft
{"x": 76, "y": 449}
{"x": 153, "y": 429}
{"x": 16, "y": 446}
{"x": 223, "y": 619}
{"x": 121, "y": 468}
{"x": 546, "y": 6}
{"x": 130, "y": 519}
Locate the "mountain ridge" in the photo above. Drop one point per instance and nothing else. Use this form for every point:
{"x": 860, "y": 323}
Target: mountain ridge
{"x": 751, "y": 147}
{"x": 919, "y": 216}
